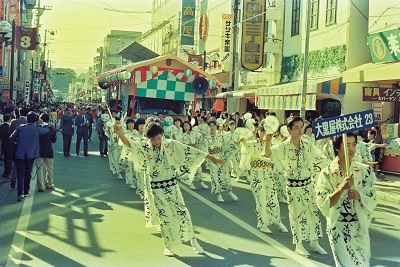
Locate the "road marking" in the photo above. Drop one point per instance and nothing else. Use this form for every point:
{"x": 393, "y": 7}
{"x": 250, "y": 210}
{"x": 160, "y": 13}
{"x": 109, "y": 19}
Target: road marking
{"x": 291, "y": 254}
{"x": 17, "y": 246}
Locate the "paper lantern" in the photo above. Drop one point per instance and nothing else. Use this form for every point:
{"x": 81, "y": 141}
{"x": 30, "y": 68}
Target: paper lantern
{"x": 127, "y": 75}
{"x": 154, "y": 69}
{"x": 187, "y": 73}
{"x": 211, "y": 83}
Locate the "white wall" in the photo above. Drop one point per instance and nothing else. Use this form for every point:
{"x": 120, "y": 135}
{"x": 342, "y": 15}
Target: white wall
{"x": 384, "y": 15}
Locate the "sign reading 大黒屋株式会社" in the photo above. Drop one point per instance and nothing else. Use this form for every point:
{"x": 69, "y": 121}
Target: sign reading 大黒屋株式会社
{"x": 343, "y": 124}
{"x": 385, "y": 46}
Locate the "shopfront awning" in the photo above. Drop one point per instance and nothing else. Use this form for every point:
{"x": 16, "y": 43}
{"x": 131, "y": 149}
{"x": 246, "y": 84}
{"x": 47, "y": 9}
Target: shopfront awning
{"x": 136, "y": 52}
{"x": 373, "y": 72}
{"x": 288, "y": 96}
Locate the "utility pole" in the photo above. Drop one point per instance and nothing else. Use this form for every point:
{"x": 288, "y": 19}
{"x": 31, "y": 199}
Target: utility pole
{"x": 305, "y": 66}
{"x": 234, "y": 74}
{"x": 12, "y": 60}
{"x": 203, "y": 100}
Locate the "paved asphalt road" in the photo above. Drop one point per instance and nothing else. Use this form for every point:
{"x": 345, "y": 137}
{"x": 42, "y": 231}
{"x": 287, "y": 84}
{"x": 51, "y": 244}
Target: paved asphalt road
{"x": 94, "y": 219}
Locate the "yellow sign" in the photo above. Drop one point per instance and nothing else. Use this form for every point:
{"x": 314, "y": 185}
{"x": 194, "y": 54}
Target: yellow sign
{"x": 252, "y": 51}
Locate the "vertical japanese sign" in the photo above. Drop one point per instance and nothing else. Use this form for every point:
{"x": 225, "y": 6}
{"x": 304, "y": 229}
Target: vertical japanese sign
{"x": 188, "y": 18}
{"x": 253, "y": 25}
{"x": 343, "y": 124}
{"x": 385, "y": 46}
{"x": 36, "y": 61}
{"x": 13, "y": 11}
{"x": 25, "y": 38}
{"x": 226, "y": 34}
{"x": 1, "y": 10}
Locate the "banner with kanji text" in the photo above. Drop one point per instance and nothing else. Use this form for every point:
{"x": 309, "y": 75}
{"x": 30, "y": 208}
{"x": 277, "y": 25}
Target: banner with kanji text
{"x": 343, "y": 124}
{"x": 25, "y": 38}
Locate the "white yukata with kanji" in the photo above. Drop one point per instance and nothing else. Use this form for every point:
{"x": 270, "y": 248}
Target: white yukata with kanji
{"x": 235, "y": 155}
{"x": 159, "y": 167}
{"x": 219, "y": 146}
{"x": 132, "y": 177}
{"x": 192, "y": 139}
{"x": 114, "y": 149}
{"x": 300, "y": 167}
{"x": 262, "y": 183}
{"x": 348, "y": 234}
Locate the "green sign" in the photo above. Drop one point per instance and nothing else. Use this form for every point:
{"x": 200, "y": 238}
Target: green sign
{"x": 385, "y": 46}
{"x": 188, "y": 18}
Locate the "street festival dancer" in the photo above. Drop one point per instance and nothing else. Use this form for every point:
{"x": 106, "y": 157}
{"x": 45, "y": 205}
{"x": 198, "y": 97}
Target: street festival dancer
{"x": 160, "y": 159}
{"x": 300, "y": 159}
{"x": 347, "y": 232}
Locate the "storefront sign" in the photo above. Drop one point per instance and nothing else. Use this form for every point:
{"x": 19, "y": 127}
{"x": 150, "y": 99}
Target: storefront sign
{"x": 381, "y": 94}
{"x": 252, "y": 51}
{"x": 203, "y": 27}
{"x": 187, "y": 26}
{"x": 343, "y": 124}
{"x": 385, "y": 46}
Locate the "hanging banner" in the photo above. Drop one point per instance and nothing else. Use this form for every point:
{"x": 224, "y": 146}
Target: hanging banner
{"x": 252, "y": 51}
{"x": 25, "y": 38}
{"x": 187, "y": 26}
{"x": 13, "y": 12}
{"x": 36, "y": 61}
{"x": 343, "y": 124}
{"x": 203, "y": 26}
{"x": 226, "y": 36}
{"x": 1, "y": 10}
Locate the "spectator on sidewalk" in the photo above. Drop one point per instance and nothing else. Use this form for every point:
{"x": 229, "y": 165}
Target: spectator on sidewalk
{"x": 7, "y": 156}
{"x": 100, "y": 133}
{"x": 67, "y": 130}
{"x": 27, "y": 138}
{"x": 46, "y": 156}
{"x": 82, "y": 122}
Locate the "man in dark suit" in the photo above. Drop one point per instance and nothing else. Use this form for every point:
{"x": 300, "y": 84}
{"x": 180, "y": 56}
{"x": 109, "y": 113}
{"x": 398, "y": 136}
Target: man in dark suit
{"x": 67, "y": 130}
{"x": 238, "y": 120}
{"x": 5, "y": 145}
{"x": 82, "y": 132}
{"x": 12, "y": 146}
{"x": 27, "y": 137}
{"x": 46, "y": 156}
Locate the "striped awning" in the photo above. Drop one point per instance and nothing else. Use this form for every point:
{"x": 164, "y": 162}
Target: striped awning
{"x": 288, "y": 96}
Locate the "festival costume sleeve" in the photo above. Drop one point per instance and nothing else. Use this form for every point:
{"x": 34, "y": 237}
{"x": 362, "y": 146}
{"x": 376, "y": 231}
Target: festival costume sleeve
{"x": 137, "y": 153}
{"x": 366, "y": 188}
{"x": 323, "y": 189}
{"x": 247, "y": 153}
{"x": 318, "y": 161}
{"x": 186, "y": 159}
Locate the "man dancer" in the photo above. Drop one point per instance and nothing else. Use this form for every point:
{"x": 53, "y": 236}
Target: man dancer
{"x": 159, "y": 159}
{"x": 300, "y": 160}
{"x": 348, "y": 231}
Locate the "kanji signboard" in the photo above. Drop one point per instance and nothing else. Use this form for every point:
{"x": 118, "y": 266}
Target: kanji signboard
{"x": 381, "y": 94}
{"x": 187, "y": 26}
{"x": 252, "y": 51}
{"x": 343, "y": 124}
{"x": 385, "y": 46}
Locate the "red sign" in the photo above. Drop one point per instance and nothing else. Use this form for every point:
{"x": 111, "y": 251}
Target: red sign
{"x": 13, "y": 11}
{"x": 25, "y": 38}
{"x": 203, "y": 26}
{"x": 381, "y": 94}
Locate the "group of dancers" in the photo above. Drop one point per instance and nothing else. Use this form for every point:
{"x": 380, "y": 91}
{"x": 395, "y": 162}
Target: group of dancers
{"x": 282, "y": 164}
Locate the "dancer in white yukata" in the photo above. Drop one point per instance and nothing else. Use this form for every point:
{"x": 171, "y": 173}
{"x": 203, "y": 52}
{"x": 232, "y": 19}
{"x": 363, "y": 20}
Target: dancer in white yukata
{"x": 262, "y": 182}
{"x": 348, "y": 233}
{"x": 235, "y": 156}
{"x": 300, "y": 160}
{"x": 191, "y": 138}
{"x": 160, "y": 159}
{"x": 219, "y": 144}
{"x": 114, "y": 149}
